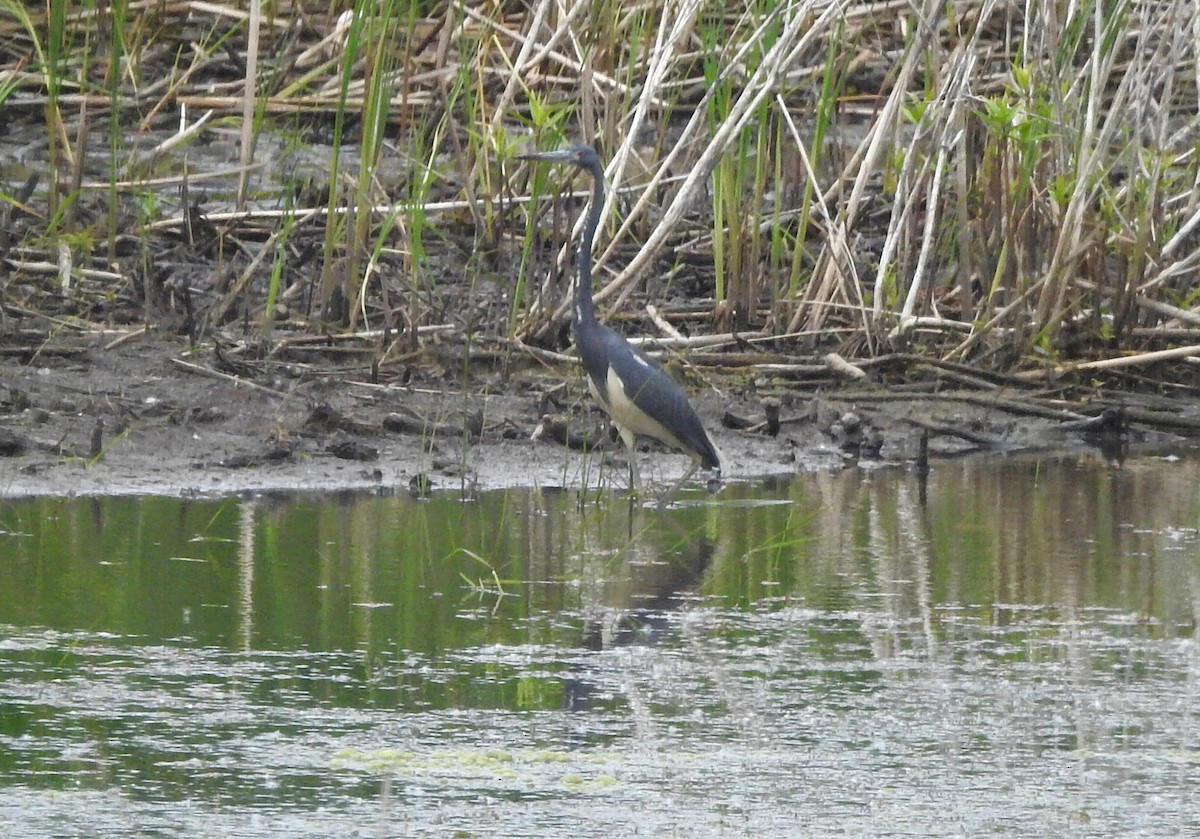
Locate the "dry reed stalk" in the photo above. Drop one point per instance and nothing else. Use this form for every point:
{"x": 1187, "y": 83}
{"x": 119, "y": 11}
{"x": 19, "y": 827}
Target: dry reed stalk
{"x": 675, "y": 20}
{"x": 524, "y": 59}
{"x": 1107, "y": 228}
{"x": 829, "y": 285}
{"x": 837, "y": 251}
{"x": 663, "y": 325}
{"x": 1166, "y": 309}
{"x": 168, "y": 181}
{"x": 58, "y": 269}
{"x": 1115, "y": 363}
{"x": 572, "y": 65}
{"x": 946, "y": 113}
{"x": 807, "y": 22}
{"x": 715, "y": 340}
{"x": 249, "y": 98}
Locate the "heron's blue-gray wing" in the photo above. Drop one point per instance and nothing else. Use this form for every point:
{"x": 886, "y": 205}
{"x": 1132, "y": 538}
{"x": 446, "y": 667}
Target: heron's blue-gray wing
{"x": 660, "y": 397}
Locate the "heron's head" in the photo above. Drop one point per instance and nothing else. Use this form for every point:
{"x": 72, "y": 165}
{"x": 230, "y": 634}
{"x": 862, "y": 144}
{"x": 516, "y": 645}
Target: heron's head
{"x": 584, "y": 157}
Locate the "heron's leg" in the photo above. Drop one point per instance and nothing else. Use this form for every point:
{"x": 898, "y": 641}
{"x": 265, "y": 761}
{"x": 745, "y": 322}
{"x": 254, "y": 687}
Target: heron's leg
{"x": 666, "y": 497}
{"x": 635, "y": 480}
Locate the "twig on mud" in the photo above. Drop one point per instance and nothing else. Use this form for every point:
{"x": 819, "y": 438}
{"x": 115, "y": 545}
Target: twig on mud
{"x": 1020, "y": 407}
{"x": 985, "y": 440}
{"x": 545, "y": 356}
{"x": 757, "y": 365}
{"x": 971, "y": 374}
{"x": 128, "y": 336}
{"x": 1167, "y": 309}
{"x": 661, "y": 323}
{"x": 967, "y": 379}
{"x": 683, "y": 342}
{"x": 184, "y": 135}
{"x": 1110, "y": 363}
{"x": 1161, "y": 419}
{"x": 428, "y": 208}
{"x": 227, "y": 302}
{"x": 426, "y": 391}
{"x": 843, "y": 367}
{"x": 55, "y": 269}
{"x": 171, "y": 180}
{"x": 332, "y": 338}
{"x": 409, "y": 421}
{"x": 217, "y": 374}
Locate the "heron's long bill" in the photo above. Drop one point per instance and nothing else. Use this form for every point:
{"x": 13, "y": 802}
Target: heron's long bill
{"x": 558, "y": 155}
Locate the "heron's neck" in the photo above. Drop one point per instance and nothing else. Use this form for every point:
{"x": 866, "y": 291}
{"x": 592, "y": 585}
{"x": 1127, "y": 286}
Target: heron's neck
{"x": 585, "y": 310}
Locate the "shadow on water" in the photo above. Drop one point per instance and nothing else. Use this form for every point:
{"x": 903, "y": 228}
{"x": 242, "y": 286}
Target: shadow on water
{"x": 1011, "y": 649}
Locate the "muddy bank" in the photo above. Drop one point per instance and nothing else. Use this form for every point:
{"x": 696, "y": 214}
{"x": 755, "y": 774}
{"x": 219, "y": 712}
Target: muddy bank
{"x": 98, "y": 415}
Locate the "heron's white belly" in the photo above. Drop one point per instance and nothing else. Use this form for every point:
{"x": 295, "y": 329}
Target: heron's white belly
{"x": 627, "y": 416}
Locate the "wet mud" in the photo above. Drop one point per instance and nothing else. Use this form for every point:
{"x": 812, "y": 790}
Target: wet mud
{"x": 149, "y": 416}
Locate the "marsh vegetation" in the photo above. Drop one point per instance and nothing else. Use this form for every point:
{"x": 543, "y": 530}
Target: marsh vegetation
{"x": 980, "y": 195}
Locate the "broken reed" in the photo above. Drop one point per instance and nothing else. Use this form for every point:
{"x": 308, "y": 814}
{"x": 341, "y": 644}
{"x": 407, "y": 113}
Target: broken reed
{"x": 962, "y": 178}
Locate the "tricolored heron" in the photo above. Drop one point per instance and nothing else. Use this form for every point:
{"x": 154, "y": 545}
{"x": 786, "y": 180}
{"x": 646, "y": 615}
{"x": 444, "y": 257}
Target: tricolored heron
{"x": 637, "y": 394}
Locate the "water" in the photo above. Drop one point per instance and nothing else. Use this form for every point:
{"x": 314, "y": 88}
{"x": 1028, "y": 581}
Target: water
{"x": 1011, "y": 652}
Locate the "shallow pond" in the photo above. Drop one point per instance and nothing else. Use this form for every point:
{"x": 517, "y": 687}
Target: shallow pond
{"x": 1009, "y": 649}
